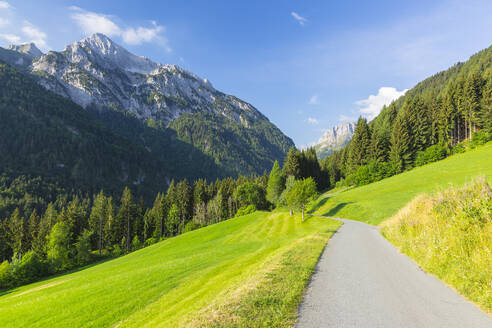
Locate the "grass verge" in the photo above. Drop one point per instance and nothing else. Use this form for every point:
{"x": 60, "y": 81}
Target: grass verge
{"x": 450, "y": 235}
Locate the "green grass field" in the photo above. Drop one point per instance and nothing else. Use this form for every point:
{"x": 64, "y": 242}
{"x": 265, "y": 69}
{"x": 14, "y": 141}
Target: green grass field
{"x": 378, "y": 201}
{"x": 243, "y": 272}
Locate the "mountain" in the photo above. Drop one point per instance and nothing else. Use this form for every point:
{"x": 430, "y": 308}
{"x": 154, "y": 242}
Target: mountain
{"x": 334, "y": 139}
{"x": 131, "y": 94}
{"x": 29, "y": 49}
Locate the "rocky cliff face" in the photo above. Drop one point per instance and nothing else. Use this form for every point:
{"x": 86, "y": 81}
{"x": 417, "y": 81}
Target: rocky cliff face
{"x": 29, "y": 49}
{"x": 97, "y": 71}
{"x": 102, "y": 76}
{"x": 334, "y": 139}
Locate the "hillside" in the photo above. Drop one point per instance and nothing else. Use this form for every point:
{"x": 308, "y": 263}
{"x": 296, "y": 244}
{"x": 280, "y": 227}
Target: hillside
{"x": 46, "y": 135}
{"x": 378, "y": 201}
{"x": 441, "y": 112}
{"x": 221, "y": 274}
{"x": 103, "y": 77}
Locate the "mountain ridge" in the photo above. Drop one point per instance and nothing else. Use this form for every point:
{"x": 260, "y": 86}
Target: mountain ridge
{"x": 133, "y": 95}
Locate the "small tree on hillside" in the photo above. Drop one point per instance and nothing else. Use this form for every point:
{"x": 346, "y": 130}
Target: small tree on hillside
{"x": 301, "y": 194}
{"x": 59, "y": 246}
{"x": 250, "y": 193}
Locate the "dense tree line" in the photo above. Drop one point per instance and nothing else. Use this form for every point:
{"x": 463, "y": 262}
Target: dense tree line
{"x": 40, "y": 238}
{"x": 69, "y": 233}
{"x": 427, "y": 124}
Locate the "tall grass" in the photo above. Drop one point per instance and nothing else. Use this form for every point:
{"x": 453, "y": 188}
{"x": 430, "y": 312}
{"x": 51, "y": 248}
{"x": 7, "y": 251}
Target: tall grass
{"x": 450, "y": 235}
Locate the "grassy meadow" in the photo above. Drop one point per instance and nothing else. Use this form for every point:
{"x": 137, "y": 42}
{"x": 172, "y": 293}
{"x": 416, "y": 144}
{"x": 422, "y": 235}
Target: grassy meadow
{"x": 244, "y": 272}
{"x": 378, "y": 201}
{"x": 450, "y": 235}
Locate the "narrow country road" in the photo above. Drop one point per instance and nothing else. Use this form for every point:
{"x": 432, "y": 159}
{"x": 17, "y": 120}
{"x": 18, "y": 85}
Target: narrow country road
{"x": 363, "y": 281}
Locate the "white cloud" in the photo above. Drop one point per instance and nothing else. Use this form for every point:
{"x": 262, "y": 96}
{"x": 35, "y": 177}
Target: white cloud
{"x": 3, "y": 21}
{"x": 91, "y": 23}
{"x": 371, "y": 106}
{"x": 4, "y": 5}
{"x": 34, "y": 34}
{"x": 345, "y": 118}
{"x": 314, "y": 100}
{"x": 301, "y": 20}
{"x": 312, "y": 120}
{"x": 141, "y": 34}
{"x": 12, "y": 38}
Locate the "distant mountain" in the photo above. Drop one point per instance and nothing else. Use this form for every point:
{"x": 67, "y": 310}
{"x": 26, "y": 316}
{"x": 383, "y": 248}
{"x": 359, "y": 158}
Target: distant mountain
{"x": 334, "y": 139}
{"x": 29, "y": 49}
{"x": 125, "y": 91}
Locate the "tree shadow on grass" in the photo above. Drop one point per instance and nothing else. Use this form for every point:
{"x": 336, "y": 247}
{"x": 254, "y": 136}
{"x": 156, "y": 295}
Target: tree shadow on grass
{"x": 318, "y": 205}
{"x": 333, "y": 211}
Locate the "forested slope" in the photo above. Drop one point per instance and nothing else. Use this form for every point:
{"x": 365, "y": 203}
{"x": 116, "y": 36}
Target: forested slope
{"x": 439, "y": 112}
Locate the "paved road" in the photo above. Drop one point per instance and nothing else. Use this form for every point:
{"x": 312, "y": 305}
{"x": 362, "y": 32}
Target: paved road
{"x": 363, "y": 281}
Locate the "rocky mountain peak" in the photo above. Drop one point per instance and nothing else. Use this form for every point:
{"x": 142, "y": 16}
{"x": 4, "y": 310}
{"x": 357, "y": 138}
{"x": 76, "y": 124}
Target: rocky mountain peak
{"x": 29, "y": 49}
{"x": 335, "y": 138}
{"x": 105, "y": 51}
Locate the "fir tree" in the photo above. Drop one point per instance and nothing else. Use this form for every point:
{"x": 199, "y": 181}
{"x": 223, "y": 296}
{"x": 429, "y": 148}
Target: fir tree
{"x": 292, "y": 165}
{"x": 359, "y": 149}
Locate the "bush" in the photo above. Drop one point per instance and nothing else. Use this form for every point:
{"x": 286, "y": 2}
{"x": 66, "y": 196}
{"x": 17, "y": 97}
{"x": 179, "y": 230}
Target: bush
{"x": 458, "y": 149}
{"x": 432, "y": 154}
{"x": 190, "y": 226}
{"x": 5, "y": 275}
{"x": 150, "y": 241}
{"x": 369, "y": 173}
{"x": 30, "y": 268}
{"x": 480, "y": 138}
{"x": 117, "y": 250}
{"x": 245, "y": 210}
{"x": 22, "y": 271}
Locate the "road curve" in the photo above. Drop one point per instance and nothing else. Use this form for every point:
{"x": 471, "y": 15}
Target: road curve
{"x": 363, "y": 281}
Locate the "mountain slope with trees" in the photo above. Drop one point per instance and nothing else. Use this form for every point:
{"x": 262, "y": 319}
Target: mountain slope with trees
{"x": 105, "y": 78}
{"x": 425, "y": 125}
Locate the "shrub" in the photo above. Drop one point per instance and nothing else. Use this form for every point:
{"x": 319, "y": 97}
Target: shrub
{"x": 432, "y": 154}
{"x": 150, "y": 241}
{"x": 117, "y": 250}
{"x": 458, "y": 149}
{"x": 5, "y": 275}
{"x": 245, "y": 210}
{"x": 192, "y": 225}
{"x": 480, "y": 138}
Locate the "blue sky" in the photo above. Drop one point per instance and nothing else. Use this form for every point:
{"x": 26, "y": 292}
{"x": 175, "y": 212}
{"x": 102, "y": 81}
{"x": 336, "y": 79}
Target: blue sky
{"x": 307, "y": 65}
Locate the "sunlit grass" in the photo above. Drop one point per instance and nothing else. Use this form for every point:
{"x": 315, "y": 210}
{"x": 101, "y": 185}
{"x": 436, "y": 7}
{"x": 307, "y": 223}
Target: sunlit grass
{"x": 450, "y": 235}
{"x": 378, "y": 201}
{"x": 184, "y": 280}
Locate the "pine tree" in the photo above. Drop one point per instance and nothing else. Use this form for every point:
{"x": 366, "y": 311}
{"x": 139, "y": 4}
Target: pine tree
{"x": 98, "y": 218}
{"x": 359, "y": 149}
{"x": 276, "y": 184}
{"x": 291, "y": 164}
{"x": 419, "y": 122}
{"x": 184, "y": 196}
{"x": 473, "y": 93}
{"x": 126, "y": 215}
{"x": 401, "y": 153}
{"x": 17, "y": 233}
{"x": 32, "y": 229}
